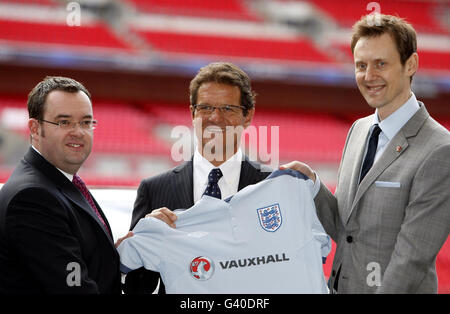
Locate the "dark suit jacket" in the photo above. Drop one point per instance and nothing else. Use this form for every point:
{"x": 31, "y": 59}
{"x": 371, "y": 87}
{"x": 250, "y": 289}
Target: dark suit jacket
{"x": 174, "y": 190}
{"x": 50, "y": 239}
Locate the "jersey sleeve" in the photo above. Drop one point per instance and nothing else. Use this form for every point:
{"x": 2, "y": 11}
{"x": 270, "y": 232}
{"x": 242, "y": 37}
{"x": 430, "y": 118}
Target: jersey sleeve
{"x": 145, "y": 247}
{"x": 319, "y": 234}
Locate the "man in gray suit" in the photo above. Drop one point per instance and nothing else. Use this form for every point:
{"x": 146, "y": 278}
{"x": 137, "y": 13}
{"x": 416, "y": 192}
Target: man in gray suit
{"x": 222, "y": 106}
{"x": 390, "y": 214}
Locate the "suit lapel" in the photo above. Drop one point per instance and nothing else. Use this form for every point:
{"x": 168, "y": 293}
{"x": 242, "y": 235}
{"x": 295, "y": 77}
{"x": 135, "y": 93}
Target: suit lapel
{"x": 249, "y": 173}
{"x": 65, "y": 187}
{"x": 72, "y": 193}
{"x": 391, "y": 153}
{"x": 183, "y": 185}
{"x": 356, "y": 153}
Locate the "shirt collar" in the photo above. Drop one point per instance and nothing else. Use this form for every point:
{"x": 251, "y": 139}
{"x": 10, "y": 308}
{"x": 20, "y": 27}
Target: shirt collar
{"x": 394, "y": 122}
{"x": 231, "y": 168}
{"x": 67, "y": 175}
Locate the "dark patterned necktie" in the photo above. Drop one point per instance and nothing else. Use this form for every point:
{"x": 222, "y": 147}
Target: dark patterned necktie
{"x": 213, "y": 188}
{"x": 83, "y": 189}
{"x": 371, "y": 151}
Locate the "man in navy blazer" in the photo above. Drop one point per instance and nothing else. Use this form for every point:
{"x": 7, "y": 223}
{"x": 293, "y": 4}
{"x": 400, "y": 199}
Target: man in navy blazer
{"x": 52, "y": 240}
{"x": 222, "y": 102}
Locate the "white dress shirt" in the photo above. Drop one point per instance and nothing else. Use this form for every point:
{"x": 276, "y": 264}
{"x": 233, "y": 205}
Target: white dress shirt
{"x": 393, "y": 123}
{"x": 229, "y": 182}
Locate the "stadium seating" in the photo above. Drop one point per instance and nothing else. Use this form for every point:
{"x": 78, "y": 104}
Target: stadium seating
{"x": 307, "y": 137}
{"x": 33, "y": 2}
{"x": 434, "y": 60}
{"x": 300, "y": 49}
{"x": 230, "y": 9}
{"x": 95, "y": 35}
{"x": 123, "y": 129}
{"x": 320, "y": 137}
{"x": 422, "y": 14}
{"x": 428, "y": 59}
{"x": 443, "y": 268}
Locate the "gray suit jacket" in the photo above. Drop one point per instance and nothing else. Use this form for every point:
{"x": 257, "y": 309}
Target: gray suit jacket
{"x": 389, "y": 228}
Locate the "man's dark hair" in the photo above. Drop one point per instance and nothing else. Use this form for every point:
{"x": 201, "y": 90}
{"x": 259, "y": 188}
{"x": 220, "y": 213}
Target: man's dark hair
{"x": 38, "y": 95}
{"x": 224, "y": 73}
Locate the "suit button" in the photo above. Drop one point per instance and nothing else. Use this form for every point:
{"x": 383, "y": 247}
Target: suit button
{"x": 349, "y": 239}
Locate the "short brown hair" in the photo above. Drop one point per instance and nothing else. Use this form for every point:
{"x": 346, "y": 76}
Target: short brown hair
{"x": 401, "y": 32}
{"x": 38, "y": 95}
{"x": 224, "y": 73}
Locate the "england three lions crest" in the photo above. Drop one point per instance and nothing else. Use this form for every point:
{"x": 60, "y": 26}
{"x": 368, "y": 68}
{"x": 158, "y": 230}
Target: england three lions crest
{"x": 270, "y": 217}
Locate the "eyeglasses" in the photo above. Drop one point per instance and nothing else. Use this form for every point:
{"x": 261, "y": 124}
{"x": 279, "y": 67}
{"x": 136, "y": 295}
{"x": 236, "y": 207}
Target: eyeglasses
{"x": 67, "y": 124}
{"x": 225, "y": 110}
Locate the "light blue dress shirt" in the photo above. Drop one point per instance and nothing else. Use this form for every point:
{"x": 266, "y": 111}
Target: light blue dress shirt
{"x": 393, "y": 123}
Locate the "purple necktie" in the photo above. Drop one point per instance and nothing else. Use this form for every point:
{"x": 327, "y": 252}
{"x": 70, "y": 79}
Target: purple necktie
{"x": 83, "y": 189}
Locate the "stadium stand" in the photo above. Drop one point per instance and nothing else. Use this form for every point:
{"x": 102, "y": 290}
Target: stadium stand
{"x": 430, "y": 60}
{"x": 33, "y": 2}
{"x": 230, "y": 9}
{"x": 124, "y": 129}
{"x": 300, "y": 49}
{"x": 424, "y": 15}
{"x": 96, "y": 35}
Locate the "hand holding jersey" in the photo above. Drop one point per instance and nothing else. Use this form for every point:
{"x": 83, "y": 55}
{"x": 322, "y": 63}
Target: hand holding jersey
{"x": 300, "y": 167}
{"x": 165, "y": 215}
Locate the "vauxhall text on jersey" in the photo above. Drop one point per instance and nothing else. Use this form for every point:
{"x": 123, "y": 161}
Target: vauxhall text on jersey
{"x": 266, "y": 230}
{"x": 254, "y": 261}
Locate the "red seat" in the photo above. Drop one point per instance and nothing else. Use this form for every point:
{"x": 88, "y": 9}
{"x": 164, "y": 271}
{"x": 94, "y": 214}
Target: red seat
{"x": 92, "y": 35}
{"x": 123, "y": 129}
{"x": 428, "y": 59}
{"x": 318, "y": 138}
{"x": 230, "y": 9}
{"x": 421, "y": 14}
{"x": 33, "y": 2}
{"x": 307, "y": 137}
{"x": 300, "y": 49}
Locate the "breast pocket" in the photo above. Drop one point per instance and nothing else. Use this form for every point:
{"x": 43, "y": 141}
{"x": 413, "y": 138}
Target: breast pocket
{"x": 387, "y": 184}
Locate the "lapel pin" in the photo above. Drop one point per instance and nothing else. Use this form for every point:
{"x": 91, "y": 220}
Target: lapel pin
{"x": 398, "y": 149}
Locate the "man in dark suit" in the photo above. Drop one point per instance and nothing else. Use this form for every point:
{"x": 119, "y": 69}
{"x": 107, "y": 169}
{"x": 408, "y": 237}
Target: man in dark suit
{"x": 222, "y": 106}
{"x": 54, "y": 237}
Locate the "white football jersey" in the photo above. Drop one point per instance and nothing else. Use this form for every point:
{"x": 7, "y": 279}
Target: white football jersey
{"x": 264, "y": 239}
